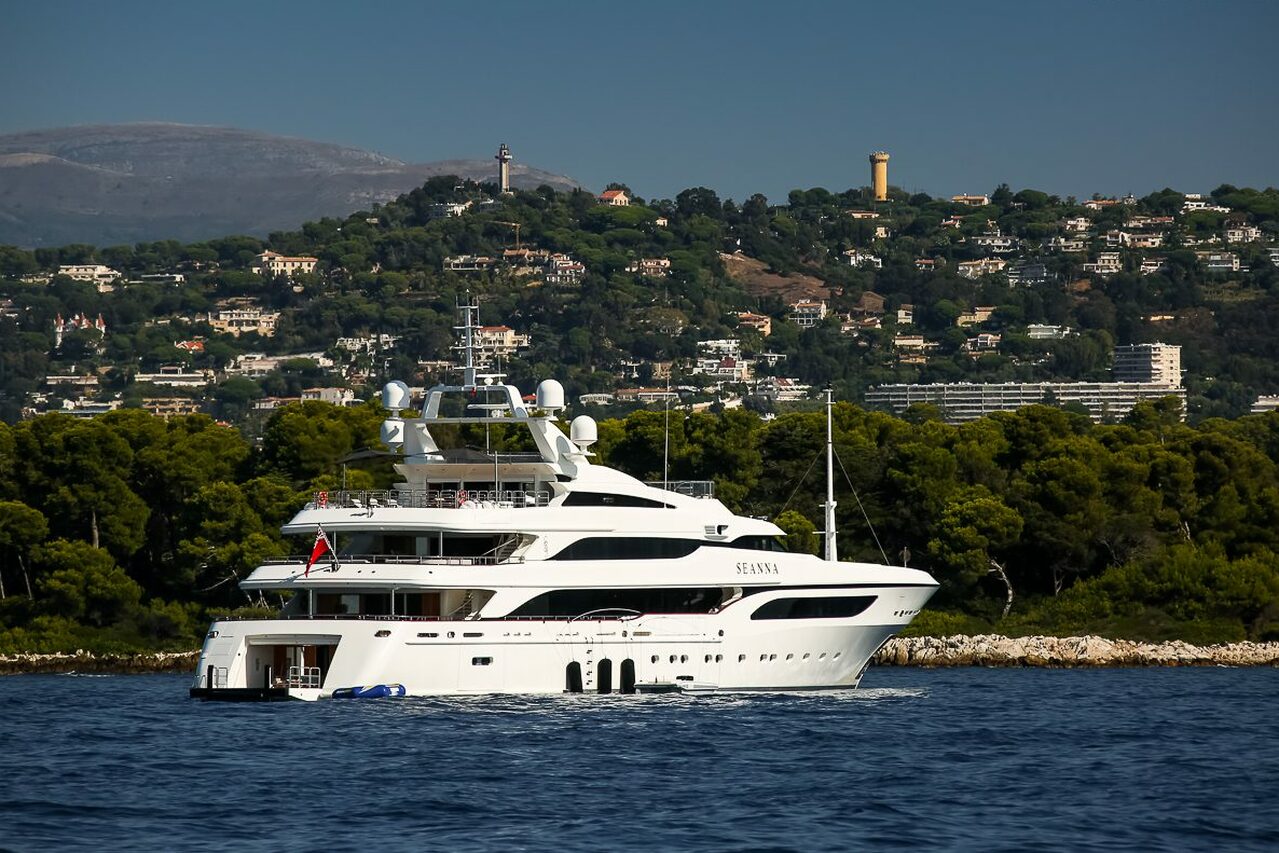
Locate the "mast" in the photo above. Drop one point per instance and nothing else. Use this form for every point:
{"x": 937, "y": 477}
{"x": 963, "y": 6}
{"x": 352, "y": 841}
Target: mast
{"x": 468, "y": 312}
{"x": 831, "y": 549}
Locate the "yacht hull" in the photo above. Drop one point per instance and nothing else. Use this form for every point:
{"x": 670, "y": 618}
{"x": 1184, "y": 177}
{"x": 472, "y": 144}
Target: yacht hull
{"x": 727, "y": 651}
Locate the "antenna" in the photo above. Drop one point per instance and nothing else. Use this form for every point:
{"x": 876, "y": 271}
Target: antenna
{"x": 666, "y": 444}
{"x": 831, "y": 548}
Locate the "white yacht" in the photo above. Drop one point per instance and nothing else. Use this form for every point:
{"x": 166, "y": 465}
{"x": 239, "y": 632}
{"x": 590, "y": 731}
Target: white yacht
{"x": 545, "y": 573}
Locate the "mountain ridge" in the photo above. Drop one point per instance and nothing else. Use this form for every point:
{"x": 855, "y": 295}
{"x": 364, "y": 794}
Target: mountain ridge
{"x": 127, "y": 183}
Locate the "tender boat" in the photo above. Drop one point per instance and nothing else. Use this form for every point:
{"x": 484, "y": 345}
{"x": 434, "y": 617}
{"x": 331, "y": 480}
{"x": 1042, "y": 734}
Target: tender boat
{"x": 485, "y": 573}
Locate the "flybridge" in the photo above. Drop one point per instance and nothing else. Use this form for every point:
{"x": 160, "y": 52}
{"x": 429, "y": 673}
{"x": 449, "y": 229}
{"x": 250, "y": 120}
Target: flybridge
{"x": 486, "y": 400}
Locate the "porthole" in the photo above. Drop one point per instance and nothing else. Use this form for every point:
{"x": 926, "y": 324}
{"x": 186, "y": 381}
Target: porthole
{"x": 790, "y": 657}
{"x": 837, "y": 654}
{"x": 741, "y": 658}
{"x": 805, "y": 655}
{"x": 683, "y": 658}
{"x": 822, "y": 656}
{"x": 708, "y": 659}
{"x": 772, "y": 657}
{"x": 672, "y": 658}
{"x": 763, "y": 658}
{"x": 653, "y": 659}
{"x": 718, "y": 658}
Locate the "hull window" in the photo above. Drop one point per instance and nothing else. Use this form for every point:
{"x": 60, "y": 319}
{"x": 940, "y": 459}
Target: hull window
{"x": 838, "y": 607}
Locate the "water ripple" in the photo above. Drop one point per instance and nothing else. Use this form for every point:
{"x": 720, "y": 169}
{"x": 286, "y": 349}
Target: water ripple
{"x": 976, "y": 759}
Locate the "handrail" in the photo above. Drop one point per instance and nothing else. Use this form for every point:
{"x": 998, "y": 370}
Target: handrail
{"x": 624, "y": 613}
{"x": 374, "y": 499}
{"x": 305, "y": 676}
{"x": 366, "y": 617}
{"x": 396, "y": 559}
{"x": 688, "y": 488}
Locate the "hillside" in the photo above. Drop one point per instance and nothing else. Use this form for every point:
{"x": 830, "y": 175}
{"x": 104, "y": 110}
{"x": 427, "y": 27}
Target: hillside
{"x": 117, "y": 184}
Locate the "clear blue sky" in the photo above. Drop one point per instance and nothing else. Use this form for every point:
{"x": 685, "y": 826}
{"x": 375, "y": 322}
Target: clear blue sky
{"x": 1072, "y": 98}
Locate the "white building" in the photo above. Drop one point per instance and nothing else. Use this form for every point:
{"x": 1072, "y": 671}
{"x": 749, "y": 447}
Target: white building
{"x": 242, "y": 320}
{"x": 498, "y": 342}
{"x": 1242, "y": 234}
{"x": 1219, "y": 261}
{"x": 860, "y": 259}
{"x": 782, "y": 389}
{"x": 335, "y": 396}
{"x": 1044, "y": 332}
{"x": 1156, "y": 362}
{"x": 273, "y": 263}
{"x": 806, "y": 314}
{"x": 981, "y": 267}
{"x": 368, "y": 344}
{"x": 92, "y": 273}
{"x": 966, "y": 401}
{"x": 1107, "y": 263}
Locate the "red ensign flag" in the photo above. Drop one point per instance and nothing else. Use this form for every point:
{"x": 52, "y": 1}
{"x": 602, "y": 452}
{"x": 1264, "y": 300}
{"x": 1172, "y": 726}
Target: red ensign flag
{"x": 321, "y": 546}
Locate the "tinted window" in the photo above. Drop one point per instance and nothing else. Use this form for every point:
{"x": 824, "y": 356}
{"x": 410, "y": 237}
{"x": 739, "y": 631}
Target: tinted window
{"x": 575, "y": 602}
{"x": 839, "y": 607}
{"x": 757, "y": 543}
{"x": 627, "y": 548}
{"x": 602, "y": 499}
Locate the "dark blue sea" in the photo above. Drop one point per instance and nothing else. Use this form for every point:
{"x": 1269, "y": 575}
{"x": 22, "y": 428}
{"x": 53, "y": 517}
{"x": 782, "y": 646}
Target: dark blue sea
{"x": 965, "y": 759}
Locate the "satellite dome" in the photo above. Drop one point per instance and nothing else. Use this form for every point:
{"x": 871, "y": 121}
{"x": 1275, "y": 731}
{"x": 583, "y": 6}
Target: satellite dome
{"x": 395, "y": 396}
{"x": 550, "y": 394}
{"x": 583, "y": 431}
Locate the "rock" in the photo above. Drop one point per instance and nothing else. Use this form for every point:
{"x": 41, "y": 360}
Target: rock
{"x": 995, "y": 650}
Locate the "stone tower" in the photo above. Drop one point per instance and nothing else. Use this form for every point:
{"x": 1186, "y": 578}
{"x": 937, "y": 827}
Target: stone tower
{"x": 879, "y": 174}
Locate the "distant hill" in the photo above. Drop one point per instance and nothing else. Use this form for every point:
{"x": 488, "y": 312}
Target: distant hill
{"x": 113, "y": 184}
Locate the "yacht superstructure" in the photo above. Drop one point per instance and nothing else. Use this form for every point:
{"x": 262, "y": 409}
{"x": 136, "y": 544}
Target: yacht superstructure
{"x": 541, "y": 572}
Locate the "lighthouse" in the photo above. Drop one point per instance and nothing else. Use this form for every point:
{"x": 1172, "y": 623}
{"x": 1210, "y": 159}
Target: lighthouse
{"x": 503, "y": 159}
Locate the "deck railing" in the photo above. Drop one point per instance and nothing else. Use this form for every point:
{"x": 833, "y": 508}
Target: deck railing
{"x": 688, "y": 488}
{"x": 392, "y": 559}
{"x": 375, "y": 617}
{"x": 372, "y": 499}
{"x": 303, "y": 676}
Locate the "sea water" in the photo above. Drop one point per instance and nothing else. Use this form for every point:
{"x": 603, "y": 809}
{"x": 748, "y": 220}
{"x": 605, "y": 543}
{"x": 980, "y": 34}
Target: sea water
{"x": 961, "y": 759}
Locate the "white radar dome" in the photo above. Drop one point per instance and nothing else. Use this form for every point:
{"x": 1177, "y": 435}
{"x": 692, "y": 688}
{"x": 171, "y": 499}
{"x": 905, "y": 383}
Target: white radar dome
{"x": 393, "y": 432}
{"x": 550, "y": 395}
{"x": 395, "y": 396}
{"x": 583, "y": 431}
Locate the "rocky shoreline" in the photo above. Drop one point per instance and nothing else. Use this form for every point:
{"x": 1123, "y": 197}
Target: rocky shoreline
{"x": 995, "y": 650}
{"x": 82, "y": 661}
{"x": 980, "y": 650}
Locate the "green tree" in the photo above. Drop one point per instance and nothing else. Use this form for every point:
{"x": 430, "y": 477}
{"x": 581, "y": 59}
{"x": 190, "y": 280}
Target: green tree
{"x": 21, "y": 529}
{"x": 83, "y": 583}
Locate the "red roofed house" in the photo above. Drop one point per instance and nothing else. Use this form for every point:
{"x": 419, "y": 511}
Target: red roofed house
{"x": 617, "y": 198}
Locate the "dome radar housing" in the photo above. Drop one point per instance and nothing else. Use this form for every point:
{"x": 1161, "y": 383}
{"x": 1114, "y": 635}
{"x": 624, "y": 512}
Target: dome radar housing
{"x": 583, "y": 431}
{"x": 550, "y": 395}
{"x": 395, "y": 396}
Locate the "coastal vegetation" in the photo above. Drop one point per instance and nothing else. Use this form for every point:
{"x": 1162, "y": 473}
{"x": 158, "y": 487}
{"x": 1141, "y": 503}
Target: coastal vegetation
{"x": 127, "y": 531}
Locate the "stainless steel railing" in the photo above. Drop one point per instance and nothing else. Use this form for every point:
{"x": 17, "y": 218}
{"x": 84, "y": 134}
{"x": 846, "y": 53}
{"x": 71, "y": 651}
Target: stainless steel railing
{"x": 372, "y": 499}
{"x": 689, "y": 488}
{"x": 393, "y": 559}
